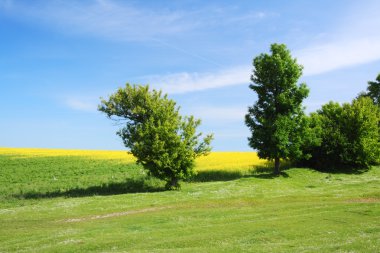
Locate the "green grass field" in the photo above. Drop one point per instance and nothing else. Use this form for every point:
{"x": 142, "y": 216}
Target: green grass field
{"x": 82, "y": 204}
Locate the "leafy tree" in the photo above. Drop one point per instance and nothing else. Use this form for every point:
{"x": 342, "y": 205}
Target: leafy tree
{"x": 349, "y": 135}
{"x": 277, "y": 120}
{"x": 373, "y": 90}
{"x": 327, "y": 126}
{"x": 163, "y": 141}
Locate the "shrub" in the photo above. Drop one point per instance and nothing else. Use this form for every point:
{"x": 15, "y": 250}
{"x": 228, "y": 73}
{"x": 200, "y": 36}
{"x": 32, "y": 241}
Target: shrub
{"x": 348, "y": 135}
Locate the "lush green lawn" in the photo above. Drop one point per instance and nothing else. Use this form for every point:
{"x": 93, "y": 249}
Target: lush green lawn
{"x": 74, "y": 204}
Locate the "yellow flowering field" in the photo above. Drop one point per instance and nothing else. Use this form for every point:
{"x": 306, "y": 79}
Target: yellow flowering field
{"x": 92, "y": 154}
{"x": 229, "y": 161}
{"x": 242, "y": 161}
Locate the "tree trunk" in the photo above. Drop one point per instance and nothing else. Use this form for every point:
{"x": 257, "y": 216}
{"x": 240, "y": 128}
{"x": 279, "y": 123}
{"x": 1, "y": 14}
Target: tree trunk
{"x": 173, "y": 184}
{"x": 276, "y": 166}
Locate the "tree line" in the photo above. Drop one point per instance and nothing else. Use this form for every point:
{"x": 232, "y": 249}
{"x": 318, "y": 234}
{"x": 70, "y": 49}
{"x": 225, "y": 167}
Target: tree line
{"x": 334, "y": 137}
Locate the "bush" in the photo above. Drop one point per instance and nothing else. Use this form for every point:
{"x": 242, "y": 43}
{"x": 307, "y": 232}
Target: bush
{"x": 348, "y": 135}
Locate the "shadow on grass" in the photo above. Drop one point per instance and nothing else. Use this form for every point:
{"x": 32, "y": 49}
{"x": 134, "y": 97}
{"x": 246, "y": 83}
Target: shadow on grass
{"x": 263, "y": 172}
{"x": 334, "y": 169}
{"x": 270, "y": 175}
{"x": 342, "y": 170}
{"x": 216, "y": 175}
{"x": 266, "y": 170}
{"x": 129, "y": 186}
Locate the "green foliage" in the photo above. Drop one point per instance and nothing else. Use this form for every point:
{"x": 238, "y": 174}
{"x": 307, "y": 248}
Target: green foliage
{"x": 164, "y": 142}
{"x": 348, "y": 134}
{"x": 276, "y": 120}
{"x": 373, "y": 90}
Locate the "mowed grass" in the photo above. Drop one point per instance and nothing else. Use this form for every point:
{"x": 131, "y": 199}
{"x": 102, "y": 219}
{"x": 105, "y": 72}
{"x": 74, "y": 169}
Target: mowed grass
{"x": 88, "y": 201}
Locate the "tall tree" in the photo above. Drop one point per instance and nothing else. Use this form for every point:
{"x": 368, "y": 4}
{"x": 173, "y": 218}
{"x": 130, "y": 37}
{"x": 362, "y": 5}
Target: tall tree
{"x": 277, "y": 120}
{"x": 163, "y": 141}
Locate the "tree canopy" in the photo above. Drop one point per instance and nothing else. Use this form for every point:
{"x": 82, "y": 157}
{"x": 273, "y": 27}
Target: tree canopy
{"x": 163, "y": 141}
{"x": 373, "y": 90}
{"x": 277, "y": 120}
{"x": 348, "y": 134}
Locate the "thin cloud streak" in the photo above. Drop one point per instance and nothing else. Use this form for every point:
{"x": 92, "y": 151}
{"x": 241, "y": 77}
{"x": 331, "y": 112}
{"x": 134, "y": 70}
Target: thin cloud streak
{"x": 111, "y": 20}
{"x": 122, "y": 22}
{"x": 189, "y": 82}
{"x": 117, "y": 21}
{"x": 339, "y": 54}
{"x": 81, "y": 104}
{"x": 353, "y": 42}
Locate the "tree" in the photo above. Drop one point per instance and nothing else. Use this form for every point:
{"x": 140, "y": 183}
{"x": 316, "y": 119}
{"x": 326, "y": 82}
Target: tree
{"x": 163, "y": 141}
{"x": 277, "y": 120}
{"x": 349, "y": 135}
{"x": 373, "y": 90}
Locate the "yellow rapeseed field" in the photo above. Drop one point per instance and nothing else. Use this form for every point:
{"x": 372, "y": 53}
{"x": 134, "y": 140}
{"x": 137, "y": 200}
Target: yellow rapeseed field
{"x": 93, "y": 154}
{"x": 242, "y": 161}
{"x": 229, "y": 161}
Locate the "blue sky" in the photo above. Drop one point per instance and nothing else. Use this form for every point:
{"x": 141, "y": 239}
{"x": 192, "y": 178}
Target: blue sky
{"x": 58, "y": 57}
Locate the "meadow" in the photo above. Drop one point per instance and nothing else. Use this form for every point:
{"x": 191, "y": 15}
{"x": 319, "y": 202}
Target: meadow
{"x": 101, "y": 201}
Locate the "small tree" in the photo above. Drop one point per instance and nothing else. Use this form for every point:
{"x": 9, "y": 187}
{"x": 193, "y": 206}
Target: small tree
{"x": 277, "y": 120}
{"x": 163, "y": 141}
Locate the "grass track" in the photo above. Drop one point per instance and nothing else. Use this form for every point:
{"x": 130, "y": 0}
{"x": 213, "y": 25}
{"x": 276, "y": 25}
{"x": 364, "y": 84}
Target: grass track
{"x": 301, "y": 211}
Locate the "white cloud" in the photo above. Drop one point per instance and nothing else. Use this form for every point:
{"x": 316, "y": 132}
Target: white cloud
{"x": 251, "y": 16}
{"x": 187, "y": 82}
{"x": 338, "y": 54}
{"x": 353, "y": 42}
{"x": 106, "y": 18}
{"x": 81, "y": 104}
{"x": 127, "y": 20}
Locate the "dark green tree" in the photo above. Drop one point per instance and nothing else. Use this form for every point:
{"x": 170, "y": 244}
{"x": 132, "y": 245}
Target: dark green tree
{"x": 373, "y": 90}
{"x": 277, "y": 120}
{"x": 163, "y": 141}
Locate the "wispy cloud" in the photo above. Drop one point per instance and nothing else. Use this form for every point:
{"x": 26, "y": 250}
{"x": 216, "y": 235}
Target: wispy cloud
{"x": 84, "y": 104}
{"x": 125, "y": 21}
{"x": 106, "y": 18}
{"x": 188, "y": 82}
{"x": 252, "y": 16}
{"x": 353, "y": 42}
{"x": 339, "y": 54}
